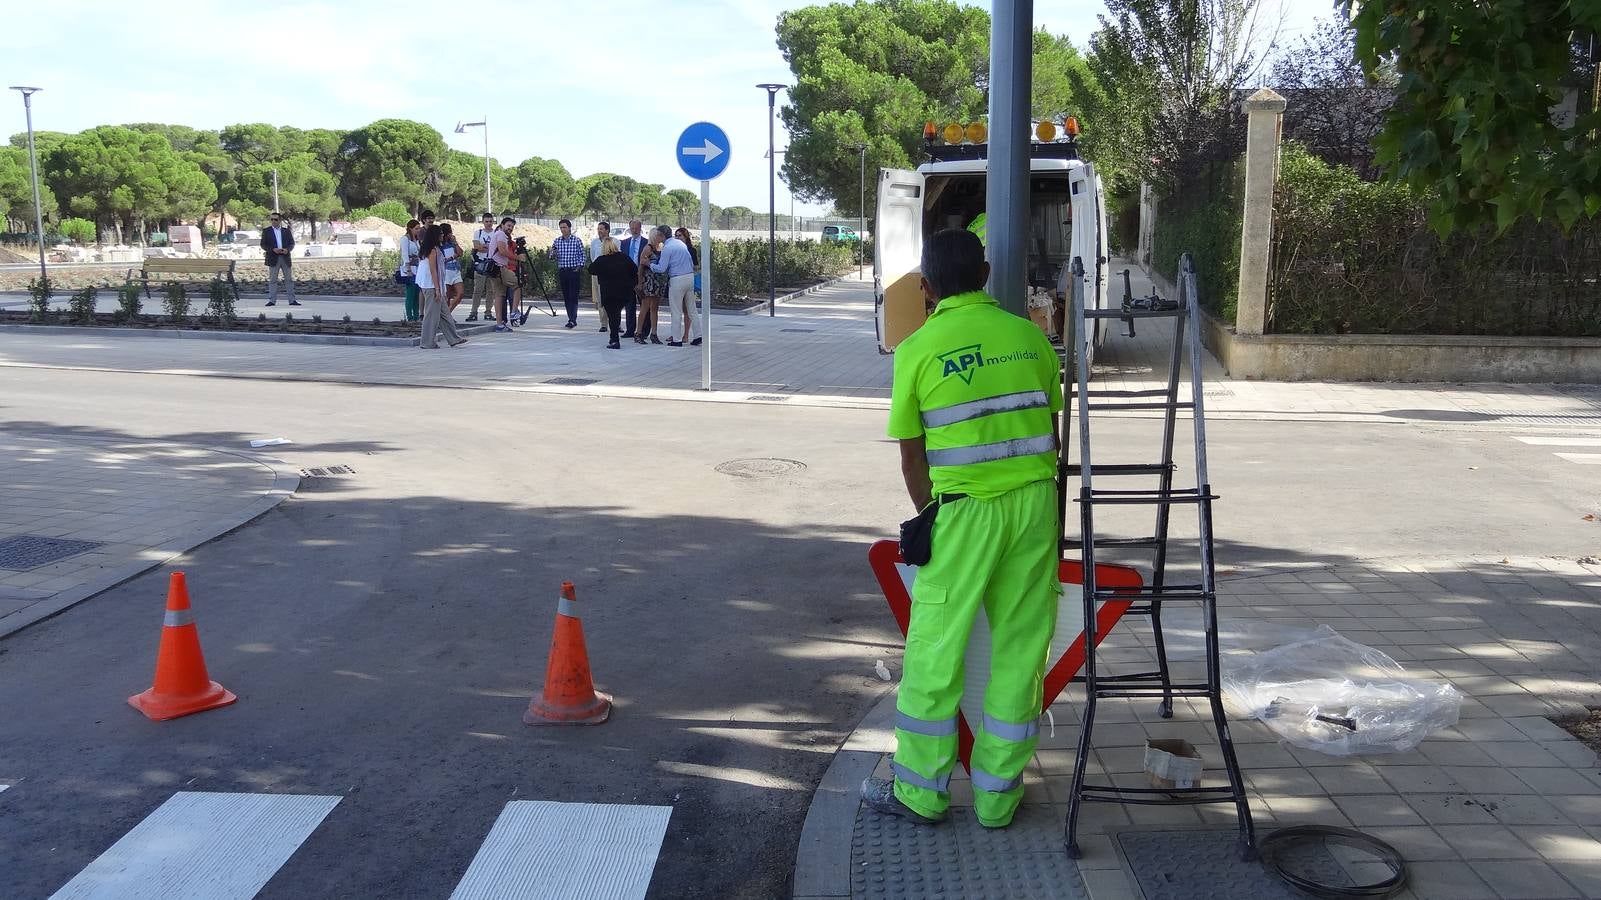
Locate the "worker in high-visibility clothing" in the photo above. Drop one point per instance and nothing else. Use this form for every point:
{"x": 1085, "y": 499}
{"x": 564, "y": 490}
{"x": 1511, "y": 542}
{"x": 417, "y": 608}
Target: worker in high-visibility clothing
{"x": 975, "y": 407}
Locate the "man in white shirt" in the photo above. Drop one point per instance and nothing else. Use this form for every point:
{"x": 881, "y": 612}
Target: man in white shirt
{"x": 675, "y": 262}
{"x": 481, "y": 283}
{"x": 602, "y": 232}
{"x": 278, "y": 242}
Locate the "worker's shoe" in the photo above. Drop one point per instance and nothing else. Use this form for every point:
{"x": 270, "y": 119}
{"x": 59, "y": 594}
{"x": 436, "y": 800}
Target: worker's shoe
{"x": 879, "y": 794}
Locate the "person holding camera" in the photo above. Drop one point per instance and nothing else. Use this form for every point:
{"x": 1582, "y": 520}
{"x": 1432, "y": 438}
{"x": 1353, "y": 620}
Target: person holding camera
{"x": 503, "y": 272}
{"x": 568, "y": 251}
{"x": 481, "y": 238}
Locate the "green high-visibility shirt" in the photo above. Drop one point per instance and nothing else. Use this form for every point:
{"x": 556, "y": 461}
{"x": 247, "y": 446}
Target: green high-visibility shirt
{"x": 980, "y": 227}
{"x": 980, "y": 385}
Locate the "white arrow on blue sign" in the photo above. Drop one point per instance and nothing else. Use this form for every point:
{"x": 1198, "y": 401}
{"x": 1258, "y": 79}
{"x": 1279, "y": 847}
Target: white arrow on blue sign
{"x": 703, "y": 151}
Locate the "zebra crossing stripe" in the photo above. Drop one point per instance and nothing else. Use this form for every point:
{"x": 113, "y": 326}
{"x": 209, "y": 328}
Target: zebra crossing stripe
{"x": 566, "y": 851}
{"x": 1562, "y": 441}
{"x": 1583, "y": 459}
{"x": 204, "y": 846}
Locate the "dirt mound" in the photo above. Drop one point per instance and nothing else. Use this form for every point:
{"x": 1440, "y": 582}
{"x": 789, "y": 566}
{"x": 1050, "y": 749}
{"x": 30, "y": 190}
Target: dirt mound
{"x": 381, "y": 226}
{"x": 9, "y": 256}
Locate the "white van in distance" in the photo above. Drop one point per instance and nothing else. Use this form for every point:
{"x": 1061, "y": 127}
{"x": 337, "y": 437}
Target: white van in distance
{"x": 1067, "y": 219}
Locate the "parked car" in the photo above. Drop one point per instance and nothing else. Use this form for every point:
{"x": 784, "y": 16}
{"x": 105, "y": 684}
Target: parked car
{"x": 841, "y": 233}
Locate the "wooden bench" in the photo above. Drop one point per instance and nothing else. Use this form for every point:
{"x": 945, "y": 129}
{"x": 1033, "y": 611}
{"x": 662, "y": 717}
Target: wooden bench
{"x": 211, "y": 268}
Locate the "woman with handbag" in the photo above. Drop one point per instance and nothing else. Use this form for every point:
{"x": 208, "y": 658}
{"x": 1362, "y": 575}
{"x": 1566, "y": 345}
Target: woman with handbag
{"x": 430, "y": 281}
{"x": 407, "y": 273}
{"x": 652, "y": 288}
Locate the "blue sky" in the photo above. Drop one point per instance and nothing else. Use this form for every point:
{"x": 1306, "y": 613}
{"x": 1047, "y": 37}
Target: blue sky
{"x": 600, "y": 91}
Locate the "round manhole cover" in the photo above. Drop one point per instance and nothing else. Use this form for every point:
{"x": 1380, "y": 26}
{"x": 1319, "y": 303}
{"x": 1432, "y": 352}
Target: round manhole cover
{"x": 760, "y": 468}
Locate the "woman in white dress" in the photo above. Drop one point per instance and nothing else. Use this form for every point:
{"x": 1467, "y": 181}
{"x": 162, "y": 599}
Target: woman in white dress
{"x": 430, "y": 282}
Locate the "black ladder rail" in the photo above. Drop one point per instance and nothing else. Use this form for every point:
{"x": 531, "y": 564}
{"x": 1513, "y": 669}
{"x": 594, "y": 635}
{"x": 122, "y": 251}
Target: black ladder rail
{"x": 1156, "y": 684}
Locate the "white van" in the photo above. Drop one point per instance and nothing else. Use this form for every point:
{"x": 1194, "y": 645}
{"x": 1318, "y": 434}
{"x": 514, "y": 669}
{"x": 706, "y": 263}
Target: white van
{"x": 1067, "y": 218}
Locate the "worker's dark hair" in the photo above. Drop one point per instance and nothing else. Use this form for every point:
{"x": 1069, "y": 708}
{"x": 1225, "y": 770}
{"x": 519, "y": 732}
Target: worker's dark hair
{"x": 567, "y": 222}
{"x": 953, "y": 262}
{"x": 428, "y": 214}
{"x": 508, "y": 221}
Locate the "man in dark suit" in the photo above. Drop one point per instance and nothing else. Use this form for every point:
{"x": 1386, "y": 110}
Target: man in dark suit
{"x": 278, "y": 242}
{"x": 631, "y": 244}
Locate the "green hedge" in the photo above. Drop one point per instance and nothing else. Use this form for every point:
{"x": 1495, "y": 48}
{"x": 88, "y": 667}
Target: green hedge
{"x": 740, "y": 267}
{"x": 1351, "y": 256}
{"x": 1210, "y": 232}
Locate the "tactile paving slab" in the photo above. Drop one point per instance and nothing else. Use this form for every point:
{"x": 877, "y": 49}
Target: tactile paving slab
{"x": 1206, "y": 865}
{"x": 26, "y": 551}
{"x": 892, "y": 858}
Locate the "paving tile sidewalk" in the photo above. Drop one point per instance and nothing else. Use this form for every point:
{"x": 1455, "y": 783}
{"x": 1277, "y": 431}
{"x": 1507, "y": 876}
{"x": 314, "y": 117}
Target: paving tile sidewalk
{"x": 1503, "y": 805}
{"x": 821, "y": 349}
{"x": 125, "y": 505}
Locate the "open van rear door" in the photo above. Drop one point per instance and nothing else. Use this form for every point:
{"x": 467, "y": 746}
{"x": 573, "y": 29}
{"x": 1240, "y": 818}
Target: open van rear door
{"x": 1089, "y": 237}
{"x": 898, "y": 256}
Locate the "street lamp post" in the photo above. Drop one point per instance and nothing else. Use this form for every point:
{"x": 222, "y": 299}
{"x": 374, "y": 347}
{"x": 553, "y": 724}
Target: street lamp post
{"x": 772, "y": 202}
{"x": 461, "y": 128}
{"x": 33, "y": 167}
{"x": 861, "y": 210}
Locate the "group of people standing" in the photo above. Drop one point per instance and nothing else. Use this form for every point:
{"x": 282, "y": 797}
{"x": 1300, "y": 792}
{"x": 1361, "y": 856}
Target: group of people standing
{"x": 431, "y": 271}
{"x": 630, "y": 277}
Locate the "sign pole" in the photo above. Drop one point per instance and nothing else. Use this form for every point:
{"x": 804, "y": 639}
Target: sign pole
{"x": 706, "y": 285}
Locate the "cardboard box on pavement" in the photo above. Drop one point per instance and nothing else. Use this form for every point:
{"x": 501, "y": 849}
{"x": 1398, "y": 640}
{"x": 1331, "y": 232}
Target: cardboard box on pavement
{"x": 1173, "y": 764}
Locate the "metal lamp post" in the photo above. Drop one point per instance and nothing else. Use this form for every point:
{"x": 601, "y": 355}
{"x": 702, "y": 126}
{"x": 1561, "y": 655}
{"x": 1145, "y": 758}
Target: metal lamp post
{"x": 461, "y": 128}
{"x": 772, "y": 202}
{"x": 861, "y": 210}
{"x": 33, "y": 167}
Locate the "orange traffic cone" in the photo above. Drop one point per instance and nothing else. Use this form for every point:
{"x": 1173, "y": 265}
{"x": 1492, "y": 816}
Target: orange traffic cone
{"x": 182, "y": 685}
{"x": 569, "y": 697}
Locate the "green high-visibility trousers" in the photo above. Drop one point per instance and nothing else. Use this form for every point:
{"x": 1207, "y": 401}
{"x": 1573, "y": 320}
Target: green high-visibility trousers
{"x": 1001, "y": 555}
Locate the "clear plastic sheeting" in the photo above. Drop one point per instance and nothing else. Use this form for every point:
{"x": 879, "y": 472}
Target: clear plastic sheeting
{"x": 1327, "y": 693}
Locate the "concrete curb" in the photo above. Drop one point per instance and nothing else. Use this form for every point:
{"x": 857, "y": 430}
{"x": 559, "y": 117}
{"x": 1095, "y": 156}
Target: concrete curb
{"x": 285, "y": 481}
{"x": 347, "y": 340}
{"x": 782, "y": 298}
{"x": 822, "y": 861}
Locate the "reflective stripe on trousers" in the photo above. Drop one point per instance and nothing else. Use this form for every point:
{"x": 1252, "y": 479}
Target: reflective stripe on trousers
{"x": 928, "y": 727}
{"x": 979, "y": 453}
{"x": 917, "y": 779}
{"x": 1010, "y": 731}
{"x": 995, "y": 784}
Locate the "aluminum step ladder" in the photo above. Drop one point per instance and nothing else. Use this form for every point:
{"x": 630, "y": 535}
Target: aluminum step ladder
{"x": 1156, "y": 684}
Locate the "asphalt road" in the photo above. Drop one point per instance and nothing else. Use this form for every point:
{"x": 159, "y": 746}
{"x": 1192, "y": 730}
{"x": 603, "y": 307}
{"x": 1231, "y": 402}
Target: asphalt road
{"x": 385, "y": 630}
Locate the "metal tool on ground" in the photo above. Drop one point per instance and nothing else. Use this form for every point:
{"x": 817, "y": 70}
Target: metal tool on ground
{"x": 1156, "y": 684}
{"x": 1132, "y": 304}
{"x": 569, "y": 696}
{"x": 182, "y": 685}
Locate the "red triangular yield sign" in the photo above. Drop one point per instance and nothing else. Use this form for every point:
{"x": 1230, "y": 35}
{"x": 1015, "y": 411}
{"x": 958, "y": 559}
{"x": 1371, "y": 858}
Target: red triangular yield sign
{"x": 1067, "y": 647}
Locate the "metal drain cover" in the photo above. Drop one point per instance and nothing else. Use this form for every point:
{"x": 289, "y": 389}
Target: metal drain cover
{"x": 1205, "y": 865}
{"x": 25, "y": 551}
{"x": 326, "y": 472}
{"x": 771, "y": 398}
{"x": 761, "y": 468}
{"x": 572, "y": 382}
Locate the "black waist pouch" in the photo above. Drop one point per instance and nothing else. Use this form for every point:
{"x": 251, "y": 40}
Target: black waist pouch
{"x": 917, "y": 536}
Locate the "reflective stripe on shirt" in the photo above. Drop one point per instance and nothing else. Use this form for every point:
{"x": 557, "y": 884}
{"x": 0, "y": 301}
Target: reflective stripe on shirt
{"x": 966, "y": 456}
{"x": 973, "y": 409}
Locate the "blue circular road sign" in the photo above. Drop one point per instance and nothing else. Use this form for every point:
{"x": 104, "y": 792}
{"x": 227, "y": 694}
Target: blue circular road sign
{"x": 702, "y": 151}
